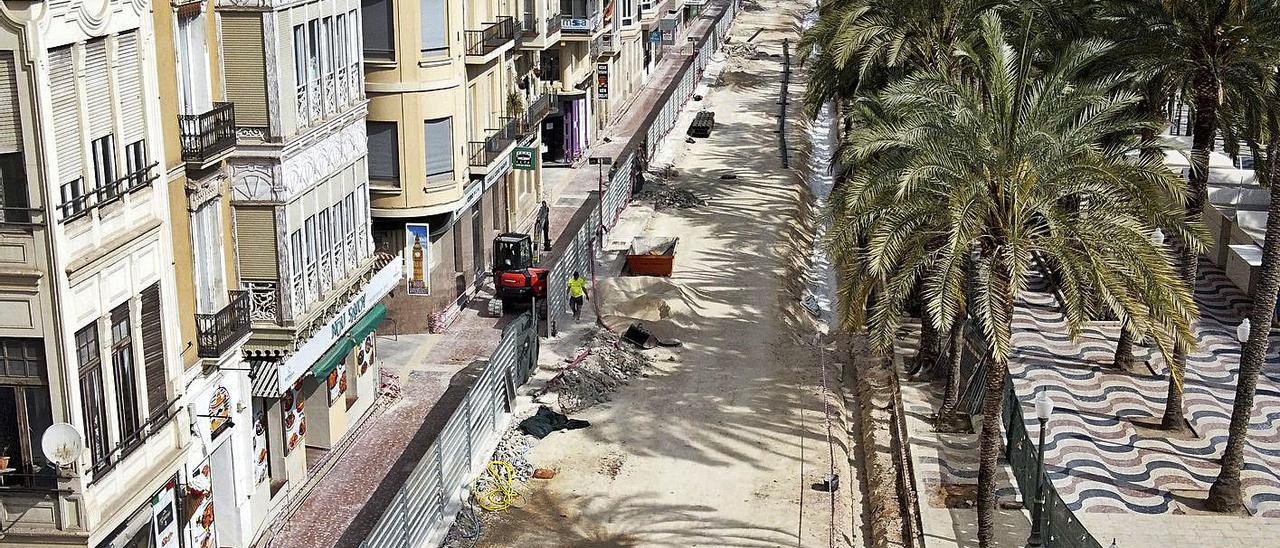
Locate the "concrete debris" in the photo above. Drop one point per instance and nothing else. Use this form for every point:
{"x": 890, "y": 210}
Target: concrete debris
{"x": 658, "y": 191}
{"x": 609, "y": 365}
{"x": 743, "y": 49}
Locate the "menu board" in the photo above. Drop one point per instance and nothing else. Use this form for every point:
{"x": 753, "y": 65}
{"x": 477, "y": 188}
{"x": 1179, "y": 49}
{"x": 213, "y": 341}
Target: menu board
{"x": 295, "y": 421}
{"x": 200, "y": 506}
{"x": 260, "y": 464}
{"x": 337, "y": 381}
{"x": 364, "y": 354}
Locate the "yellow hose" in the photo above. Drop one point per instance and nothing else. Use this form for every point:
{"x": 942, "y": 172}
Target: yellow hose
{"x": 493, "y": 491}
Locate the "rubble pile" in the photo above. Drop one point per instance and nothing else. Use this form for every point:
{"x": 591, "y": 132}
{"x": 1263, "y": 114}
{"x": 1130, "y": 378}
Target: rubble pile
{"x": 751, "y": 5}
{"x": 743, "y": 49}
{"x": 611, "y": 363}
{"x": 658, "y": 191}
{"x": 514, "y": 448}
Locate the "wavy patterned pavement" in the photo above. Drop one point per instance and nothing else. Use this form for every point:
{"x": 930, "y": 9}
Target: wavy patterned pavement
{"x": 1101, "y": 463}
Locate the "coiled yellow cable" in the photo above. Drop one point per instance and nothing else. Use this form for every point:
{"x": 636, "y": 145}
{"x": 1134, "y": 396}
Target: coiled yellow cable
{"x": 493, "y": 491}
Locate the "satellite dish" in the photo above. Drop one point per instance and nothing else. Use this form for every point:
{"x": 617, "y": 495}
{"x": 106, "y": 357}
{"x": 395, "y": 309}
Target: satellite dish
{"x": 62, "y": 444}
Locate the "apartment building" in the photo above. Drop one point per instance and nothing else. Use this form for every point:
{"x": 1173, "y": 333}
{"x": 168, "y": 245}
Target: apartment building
{"x": 198, "y": 125}
{"x": 451, "y": 99}
{"x": 87, "y": 282}
{"x": 298, "y": 187}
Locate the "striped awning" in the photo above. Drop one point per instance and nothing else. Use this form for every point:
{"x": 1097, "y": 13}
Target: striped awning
{"x": 264, "y": 374}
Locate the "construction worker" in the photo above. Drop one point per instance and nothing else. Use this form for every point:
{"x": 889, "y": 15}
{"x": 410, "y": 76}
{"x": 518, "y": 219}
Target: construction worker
{"x": 577, "y": 293}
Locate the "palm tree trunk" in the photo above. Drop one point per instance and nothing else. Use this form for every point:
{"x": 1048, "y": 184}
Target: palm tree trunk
{"x": 989, "y": 445}
{"x": 1206, "y": 89}
{"x": 947, "y": 420}
{"x": 1124, "y": 349}
{"x": 927, "y": 356}
{"x": 1226, "y": 495}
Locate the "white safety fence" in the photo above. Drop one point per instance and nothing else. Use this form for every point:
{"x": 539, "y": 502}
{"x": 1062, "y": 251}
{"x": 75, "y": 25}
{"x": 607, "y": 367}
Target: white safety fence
{"x": 425, "y": 506}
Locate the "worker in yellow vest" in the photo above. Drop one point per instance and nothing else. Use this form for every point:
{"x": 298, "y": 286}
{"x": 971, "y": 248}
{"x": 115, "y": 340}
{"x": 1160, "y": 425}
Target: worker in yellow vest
{"x": 577, "y": 293}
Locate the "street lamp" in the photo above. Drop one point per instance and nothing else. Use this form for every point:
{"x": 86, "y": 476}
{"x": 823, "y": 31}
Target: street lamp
{"x": 1044, "y": 406}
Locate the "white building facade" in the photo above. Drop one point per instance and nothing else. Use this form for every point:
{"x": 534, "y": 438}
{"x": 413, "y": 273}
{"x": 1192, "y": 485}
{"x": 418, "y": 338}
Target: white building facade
{"x": 89, "y": 281}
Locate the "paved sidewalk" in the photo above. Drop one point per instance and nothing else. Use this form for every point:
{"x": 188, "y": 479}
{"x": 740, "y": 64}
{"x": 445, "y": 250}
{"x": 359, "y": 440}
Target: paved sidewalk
{"x": 946, "y": 474}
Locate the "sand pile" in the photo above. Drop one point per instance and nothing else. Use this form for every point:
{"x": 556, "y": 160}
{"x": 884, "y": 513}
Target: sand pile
{"x": 665, "y": 308}
{"x": 611, "y": 363}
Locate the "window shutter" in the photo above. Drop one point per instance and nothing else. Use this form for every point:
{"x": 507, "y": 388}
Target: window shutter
{"x": 10, "y": 124}
{"x": 128, "y": 77}
{"x": 66, "y": 114}
{"x": 245, "y": 76}
{"x": 384, "y": 146}
{"x": 439, "y": 146}
{"x": 153, "y": 350}
{"x": 256, "y": 242}
{"x": 96, "y": 87}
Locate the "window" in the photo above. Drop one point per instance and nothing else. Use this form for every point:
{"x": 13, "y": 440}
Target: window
{"x": 322, "y": 242}
{"x": 309, "y": 247}
{"x": 153, "y": 355}
{"x": 313, "y": 51}
{"x": 362, "y": 221}
{"x": 122, "y": 364}
{"x": 353, "y": 43}
{"x": 326, "y": 40}
{"x": 337, "y": 229}
{"x": 435, "y": 17}
{"x": 91, "y": 395}
{"x": 297, "y": 255}
{"x": 25, "y": 413}
{"x": 300, "y": 55}
{"x": 439, "y": 136}
{"x": 193, "y": 65}
{"x": 13, "y": 189}
{"x": 206, "y": 241}
{"x": 379, "y": 34}
{"x": 351, "y": 231}
{"x": 135, "y": 163}
{"x": 384, "y": 152}
{"x": 104, "y": 167}
{"x": 22, "y": 358}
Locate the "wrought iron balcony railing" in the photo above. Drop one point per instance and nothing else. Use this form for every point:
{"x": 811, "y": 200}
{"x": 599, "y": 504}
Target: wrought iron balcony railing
{"x": 205, "y": 136}
{"x": 215, "y": 333}
{"x": 483, "y": 153}
{"x": 491, "y": 37}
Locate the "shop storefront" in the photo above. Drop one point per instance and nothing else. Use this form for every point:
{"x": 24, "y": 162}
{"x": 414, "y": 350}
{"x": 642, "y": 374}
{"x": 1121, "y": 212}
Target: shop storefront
{"x": 305, "y": 404}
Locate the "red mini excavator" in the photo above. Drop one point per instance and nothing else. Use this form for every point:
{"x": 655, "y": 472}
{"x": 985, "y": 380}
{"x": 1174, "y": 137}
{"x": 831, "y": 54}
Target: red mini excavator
{"x": 515, "y": 280}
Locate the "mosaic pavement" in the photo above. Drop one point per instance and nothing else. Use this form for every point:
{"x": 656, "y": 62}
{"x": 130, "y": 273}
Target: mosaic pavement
{"x": 1101, "y": 463}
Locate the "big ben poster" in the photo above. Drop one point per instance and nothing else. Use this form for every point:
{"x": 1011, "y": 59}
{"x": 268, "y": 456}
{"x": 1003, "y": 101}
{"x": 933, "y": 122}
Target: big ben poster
{"x": 417, "y": 239}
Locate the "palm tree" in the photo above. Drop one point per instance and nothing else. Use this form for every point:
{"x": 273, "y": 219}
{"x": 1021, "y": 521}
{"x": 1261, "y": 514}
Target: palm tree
{"x": 1260, "y": 123}
{"x": 985, "y": 158}
{"x": 1217, "y": 51}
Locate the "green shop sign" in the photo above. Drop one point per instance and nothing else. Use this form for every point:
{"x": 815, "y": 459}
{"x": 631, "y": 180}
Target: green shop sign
{"x": 525, "y": 158}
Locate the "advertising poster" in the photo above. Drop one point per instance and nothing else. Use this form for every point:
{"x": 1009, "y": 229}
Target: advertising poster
{"x": 200, "y": 507}
{"x": 417, "y": 238}
{"x": 364, "y": 355}
{"x": 164, "y": 516}
{"x": 260, "y": 446}
{"x": 602, "y": 80}
{"x": 295, "y": 422}
{"x": 337, "y": 382}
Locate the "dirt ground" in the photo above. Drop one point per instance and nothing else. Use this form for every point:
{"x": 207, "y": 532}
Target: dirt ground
{"x": 722, "y": 443}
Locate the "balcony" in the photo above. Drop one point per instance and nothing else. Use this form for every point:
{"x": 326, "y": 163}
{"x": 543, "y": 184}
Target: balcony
{"x": 539, "y": 34}
{"x": 209, "y": 137}
{"x": 539, "y": 108}
{"x": 580, "y": 26}
{"x": 605, "y": 46}
{"x": 496, "y": 145}
{"x": 223, "y": 330}
{"x": 486, "y": 44}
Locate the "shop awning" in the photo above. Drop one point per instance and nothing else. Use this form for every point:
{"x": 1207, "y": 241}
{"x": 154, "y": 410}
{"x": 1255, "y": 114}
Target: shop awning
{"x": 343, "y": 346}
{"x": 332, "y": 358}
{"x": 368, "y": 323}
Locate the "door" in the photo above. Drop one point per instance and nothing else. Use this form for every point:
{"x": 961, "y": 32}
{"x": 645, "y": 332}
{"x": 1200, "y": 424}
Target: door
{"x": 477, "y": 235}
{"x": 222, "y": 472}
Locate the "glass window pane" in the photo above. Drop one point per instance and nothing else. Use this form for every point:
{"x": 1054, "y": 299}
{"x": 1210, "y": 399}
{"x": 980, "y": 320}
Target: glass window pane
{"x": 434, "y": 20}
{"x": 384, "y": 153}
{"x": 378, "y": 34}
